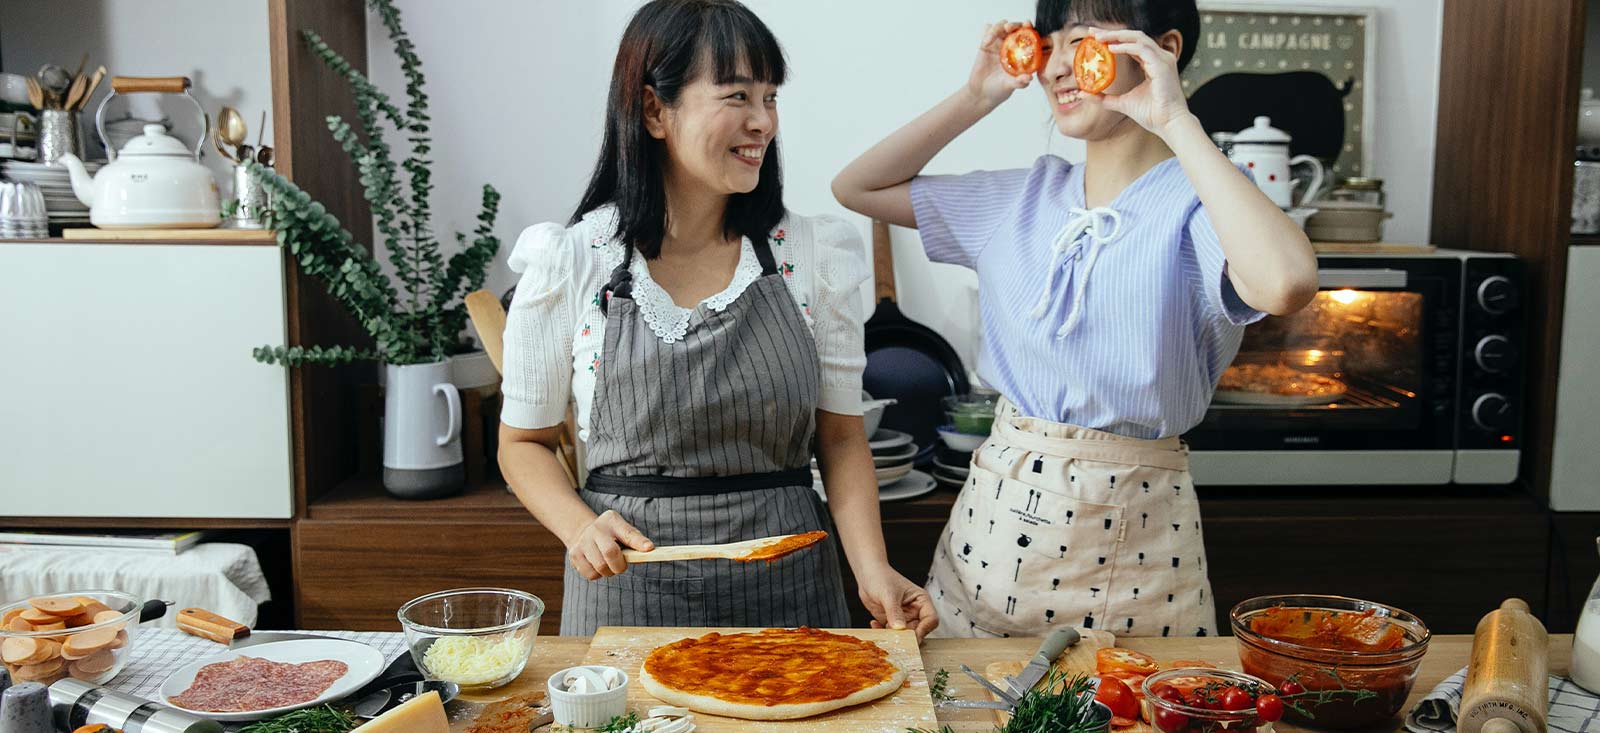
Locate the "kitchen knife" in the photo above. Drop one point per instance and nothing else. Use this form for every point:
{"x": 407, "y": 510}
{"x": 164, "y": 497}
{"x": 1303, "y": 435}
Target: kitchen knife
{"x": 1052, "y": 647}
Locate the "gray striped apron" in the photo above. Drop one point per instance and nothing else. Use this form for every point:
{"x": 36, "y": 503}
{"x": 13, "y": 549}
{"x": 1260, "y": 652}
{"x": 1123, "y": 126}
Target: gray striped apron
{"x": 707, "y": 440}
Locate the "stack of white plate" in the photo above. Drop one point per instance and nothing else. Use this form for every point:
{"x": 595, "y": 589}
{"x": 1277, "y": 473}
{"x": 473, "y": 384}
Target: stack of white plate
{"x": 56, "y": 184}
{"x": 893, "y": 453}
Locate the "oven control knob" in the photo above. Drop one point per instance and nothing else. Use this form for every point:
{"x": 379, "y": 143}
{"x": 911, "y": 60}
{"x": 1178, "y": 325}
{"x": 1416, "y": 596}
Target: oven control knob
{"x": 1496, "y": 294}
{"x": 1493, "y": 354}
{"x": 1492, "y": 412}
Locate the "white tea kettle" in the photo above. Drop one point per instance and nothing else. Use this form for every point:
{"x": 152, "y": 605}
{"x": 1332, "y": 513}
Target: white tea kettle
{"x": 155, "y": 181}
{"x": 1264, "y": 150}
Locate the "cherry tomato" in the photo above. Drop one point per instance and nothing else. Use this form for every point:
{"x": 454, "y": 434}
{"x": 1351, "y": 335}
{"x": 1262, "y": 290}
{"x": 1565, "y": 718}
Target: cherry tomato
{"x": 1291, "y": 688}
{"x": 1117, "y": 659}
{"x": 1116, "y": 695}
{"x": 1171, "y": 694}
{"x": 1235, "y": 698}
{"x": 1170, "y": 721}
{"x": 1134, "y": 681}
{"x": 1269, "y": 707}
{"x": 1093, "y": 66}
{"x": 1022, "y": 52}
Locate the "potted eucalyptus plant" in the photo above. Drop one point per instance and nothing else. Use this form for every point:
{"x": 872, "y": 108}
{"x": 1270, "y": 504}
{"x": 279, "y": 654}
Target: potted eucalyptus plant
{"x": 416, "y": 317}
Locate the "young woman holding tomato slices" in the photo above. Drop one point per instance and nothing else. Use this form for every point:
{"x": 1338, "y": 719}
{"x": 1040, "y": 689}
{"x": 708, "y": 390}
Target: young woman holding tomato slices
{"x": 1113, "y": 293}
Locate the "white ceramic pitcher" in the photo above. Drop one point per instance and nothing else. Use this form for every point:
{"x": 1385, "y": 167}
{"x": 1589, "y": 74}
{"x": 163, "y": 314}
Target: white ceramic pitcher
{"x": 421, "y": 432}
{"x": 1264, "y": 149}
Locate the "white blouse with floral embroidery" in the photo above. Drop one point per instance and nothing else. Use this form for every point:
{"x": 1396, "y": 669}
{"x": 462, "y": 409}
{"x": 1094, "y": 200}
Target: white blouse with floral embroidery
{"x": 555, "y": 330}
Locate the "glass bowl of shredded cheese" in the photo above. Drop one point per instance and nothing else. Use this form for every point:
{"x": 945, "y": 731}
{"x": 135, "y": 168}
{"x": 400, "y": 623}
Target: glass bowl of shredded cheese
{"x": 478, "y": 638}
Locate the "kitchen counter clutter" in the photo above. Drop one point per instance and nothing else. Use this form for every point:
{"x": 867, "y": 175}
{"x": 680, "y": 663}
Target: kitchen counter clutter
{"x": 162, "y": 652}
{"x": 222, "y": 576}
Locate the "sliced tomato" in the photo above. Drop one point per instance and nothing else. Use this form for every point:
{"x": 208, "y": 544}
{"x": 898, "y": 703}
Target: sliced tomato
{"x": 1183, "y": 663}
{"x": 1022, "y": 52}
{"x": 1120, "y": 722}
{"x": 1093, "y": 66}
{"x": 1116, "y": 695}
{"x": 1117, "y": 659}
{"x": 1133, "y": 680}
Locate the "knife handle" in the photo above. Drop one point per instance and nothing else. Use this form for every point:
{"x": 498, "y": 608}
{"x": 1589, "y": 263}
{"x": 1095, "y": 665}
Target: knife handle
{"x": 1054, "y": 644}
{"x": 207, "y": 625}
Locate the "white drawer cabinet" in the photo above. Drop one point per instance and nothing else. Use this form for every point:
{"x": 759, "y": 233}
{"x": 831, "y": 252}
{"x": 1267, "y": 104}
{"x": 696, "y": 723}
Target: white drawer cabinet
{"x": 129, "y": 389}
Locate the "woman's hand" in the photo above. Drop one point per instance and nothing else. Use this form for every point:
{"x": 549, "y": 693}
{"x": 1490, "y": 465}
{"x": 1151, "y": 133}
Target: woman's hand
{"x": 597, "y": 550}
{"x": 989, "y": 83}
{"x": 897, "y": 603}
{"x": 1158, "y": 100}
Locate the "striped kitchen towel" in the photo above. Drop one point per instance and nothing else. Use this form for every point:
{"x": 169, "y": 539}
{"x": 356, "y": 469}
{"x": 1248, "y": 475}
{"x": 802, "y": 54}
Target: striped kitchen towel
{"x": 1572, "y": 708}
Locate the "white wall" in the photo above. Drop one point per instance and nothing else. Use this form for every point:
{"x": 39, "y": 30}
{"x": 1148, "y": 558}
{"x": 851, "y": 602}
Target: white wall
{"x": 221, "y": 46}
{"x": 518, "y": 96}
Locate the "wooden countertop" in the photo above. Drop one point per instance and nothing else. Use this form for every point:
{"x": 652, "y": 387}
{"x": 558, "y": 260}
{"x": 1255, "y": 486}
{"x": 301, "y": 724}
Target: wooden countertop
{"x": 1446, "y": 655}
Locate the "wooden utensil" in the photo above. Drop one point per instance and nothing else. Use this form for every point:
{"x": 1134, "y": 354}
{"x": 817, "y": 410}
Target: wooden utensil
{"x": 94, "y": 83}
{"x": 35, "y": 93}
{"x": 207, "y": 625}
{"x": 1508, "y": 677}
{"x": 489, "y": 319}
{"x": 75, "y": 92}
{"x": 766, "y": 548}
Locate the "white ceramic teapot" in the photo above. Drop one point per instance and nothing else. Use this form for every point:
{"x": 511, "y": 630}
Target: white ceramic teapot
{"x": 155, "y": 181}
{"x": 1264, "y": 150}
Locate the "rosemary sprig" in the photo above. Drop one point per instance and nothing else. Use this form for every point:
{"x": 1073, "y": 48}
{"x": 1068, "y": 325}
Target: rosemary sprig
{"x": 324, "y": 719}
{"x": 939, "y": 688}
{"x": 1058, "y": 706}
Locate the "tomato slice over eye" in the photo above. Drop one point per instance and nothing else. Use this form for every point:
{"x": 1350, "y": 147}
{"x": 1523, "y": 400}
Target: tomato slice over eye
{"x": 1093, "y": 66}
{"x": 1022, "y": 52}
{"x": 1117, "y": 659}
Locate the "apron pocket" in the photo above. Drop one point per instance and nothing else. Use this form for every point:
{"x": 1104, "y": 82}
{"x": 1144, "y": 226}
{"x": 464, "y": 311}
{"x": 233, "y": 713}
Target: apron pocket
{"x": 1042, "y": 556}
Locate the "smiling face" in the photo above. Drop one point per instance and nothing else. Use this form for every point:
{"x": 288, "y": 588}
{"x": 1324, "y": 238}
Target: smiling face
{"x": 1074, "y": 116}
{"x": 717, "y": 135}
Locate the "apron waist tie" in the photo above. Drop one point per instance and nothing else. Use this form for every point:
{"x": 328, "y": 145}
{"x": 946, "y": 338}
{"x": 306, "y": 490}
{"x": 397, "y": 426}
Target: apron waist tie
{"x": 676, "y": 486}
{"x": 1167, "y": 453}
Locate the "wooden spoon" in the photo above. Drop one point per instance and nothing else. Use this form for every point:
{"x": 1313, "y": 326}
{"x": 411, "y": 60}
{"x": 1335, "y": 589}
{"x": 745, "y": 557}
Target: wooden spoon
{"x": 75, "y": 92}
{"x": 35, "y": 93}
{"x": 766, "y": 548}
{"x": 94, "y": 83}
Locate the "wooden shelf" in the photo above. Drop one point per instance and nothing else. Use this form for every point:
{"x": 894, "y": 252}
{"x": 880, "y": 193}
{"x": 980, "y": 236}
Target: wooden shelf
{"x": 363, "y": 499}
{"x": 141, "y": 523}
{"x": 1586, "y": 240}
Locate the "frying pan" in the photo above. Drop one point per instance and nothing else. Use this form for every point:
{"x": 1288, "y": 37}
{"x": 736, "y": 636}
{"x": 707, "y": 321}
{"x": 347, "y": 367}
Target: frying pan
{"x": 906, "y": 360}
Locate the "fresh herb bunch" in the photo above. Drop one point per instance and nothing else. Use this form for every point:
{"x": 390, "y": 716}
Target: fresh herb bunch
{"x": 939, "y": 688}
{"x": 324, "y": 719}
{"x": 1059, "y": 705}
{"x": 422, "y": 319}
{"x": 620, "y": 723}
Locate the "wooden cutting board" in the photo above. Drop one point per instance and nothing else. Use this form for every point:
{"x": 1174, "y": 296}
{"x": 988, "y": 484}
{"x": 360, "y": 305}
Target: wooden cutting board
{"x": 625, "y": 647}
{"x": 1078, "y": 659}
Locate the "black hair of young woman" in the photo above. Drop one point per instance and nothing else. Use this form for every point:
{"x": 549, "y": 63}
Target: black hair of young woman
{"x": 667, "y": 45}
{"x": 1154, "y": 17}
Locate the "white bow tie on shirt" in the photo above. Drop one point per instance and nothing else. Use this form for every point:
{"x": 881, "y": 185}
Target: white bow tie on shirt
{"x": 1067, "y": 248}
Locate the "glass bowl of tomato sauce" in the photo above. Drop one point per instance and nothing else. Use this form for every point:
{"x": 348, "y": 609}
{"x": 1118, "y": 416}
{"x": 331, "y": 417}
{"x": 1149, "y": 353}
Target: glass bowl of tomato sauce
{"x": 1337, "y": 662}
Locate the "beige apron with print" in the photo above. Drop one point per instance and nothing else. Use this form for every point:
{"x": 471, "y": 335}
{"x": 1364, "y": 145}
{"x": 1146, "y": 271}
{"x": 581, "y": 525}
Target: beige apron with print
{"x": 1059, "y": 524}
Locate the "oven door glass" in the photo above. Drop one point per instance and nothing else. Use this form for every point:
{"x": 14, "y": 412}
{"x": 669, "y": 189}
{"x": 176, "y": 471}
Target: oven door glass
{"x": 1353, "y": 370}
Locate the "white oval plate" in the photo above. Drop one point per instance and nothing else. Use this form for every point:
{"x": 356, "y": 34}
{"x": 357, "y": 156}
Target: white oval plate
{"x": 886, "y": 439}
{"x": 365, "y": 663}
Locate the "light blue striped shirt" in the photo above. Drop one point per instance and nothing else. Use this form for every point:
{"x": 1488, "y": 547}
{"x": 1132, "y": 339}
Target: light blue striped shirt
{"x": 1119, "y": 318}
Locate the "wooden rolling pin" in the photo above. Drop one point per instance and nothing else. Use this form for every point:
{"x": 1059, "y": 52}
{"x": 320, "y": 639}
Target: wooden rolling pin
{"x": 1508, "y": 678}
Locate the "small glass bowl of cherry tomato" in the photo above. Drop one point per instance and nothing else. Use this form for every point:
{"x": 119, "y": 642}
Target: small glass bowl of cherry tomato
{"x": 1349, "y": 663}
{"x": 1200, "y": 700}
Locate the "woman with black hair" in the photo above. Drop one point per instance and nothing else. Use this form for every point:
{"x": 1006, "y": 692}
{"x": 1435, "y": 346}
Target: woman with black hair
{"x": 710, "y": 342}
{"x": 1113, "y": 292}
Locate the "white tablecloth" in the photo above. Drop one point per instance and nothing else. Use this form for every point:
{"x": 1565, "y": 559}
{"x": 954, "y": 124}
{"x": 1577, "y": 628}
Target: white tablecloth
{"x": 221, "y": 577}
